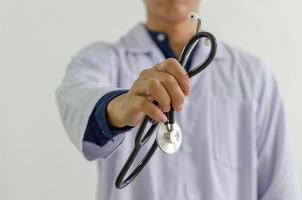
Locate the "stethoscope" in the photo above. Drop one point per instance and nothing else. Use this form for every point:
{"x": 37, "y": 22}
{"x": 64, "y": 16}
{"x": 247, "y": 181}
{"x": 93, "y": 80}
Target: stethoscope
{"x": 169, "y": 136}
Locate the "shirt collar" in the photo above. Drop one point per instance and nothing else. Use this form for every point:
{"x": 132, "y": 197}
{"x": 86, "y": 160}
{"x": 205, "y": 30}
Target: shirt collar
{"x": 162, "y": 42}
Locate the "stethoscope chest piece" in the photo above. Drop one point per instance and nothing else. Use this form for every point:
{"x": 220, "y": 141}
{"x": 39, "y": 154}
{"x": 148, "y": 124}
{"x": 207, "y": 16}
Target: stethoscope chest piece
{"x": 169, "y": 138}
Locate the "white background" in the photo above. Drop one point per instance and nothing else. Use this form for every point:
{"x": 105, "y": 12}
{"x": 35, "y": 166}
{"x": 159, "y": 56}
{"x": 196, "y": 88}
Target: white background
{"x": 37, "y": 39}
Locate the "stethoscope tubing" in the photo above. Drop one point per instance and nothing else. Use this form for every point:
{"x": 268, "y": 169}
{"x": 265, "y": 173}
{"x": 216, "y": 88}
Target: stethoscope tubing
{"x": 141, "y": 140}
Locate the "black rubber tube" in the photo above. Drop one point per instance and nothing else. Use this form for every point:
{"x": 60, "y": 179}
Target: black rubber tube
{"x": 141, "y": 140}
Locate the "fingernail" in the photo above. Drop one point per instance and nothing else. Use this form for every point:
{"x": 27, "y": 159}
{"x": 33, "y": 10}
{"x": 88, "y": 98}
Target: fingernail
{"x": 166, "y": 109}
{"x": 186, "y": 85}
{"x": 163, "y": 118}
{"x": 187, "y": 93}
{"x": 179, "y": 108}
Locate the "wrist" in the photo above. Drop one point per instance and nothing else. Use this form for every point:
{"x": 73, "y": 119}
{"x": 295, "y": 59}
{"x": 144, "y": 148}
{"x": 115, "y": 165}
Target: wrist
{"x": 113, "y": 112}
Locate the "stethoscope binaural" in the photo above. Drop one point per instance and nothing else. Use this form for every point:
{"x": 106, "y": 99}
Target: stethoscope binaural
{"x": 169, "y": 136}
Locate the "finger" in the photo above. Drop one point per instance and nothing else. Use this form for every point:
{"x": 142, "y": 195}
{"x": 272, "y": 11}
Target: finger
{"x": 147, "y": 107}
{"x": 173, "y": 67}
{"x": 154, "y": 90}
{"x": 153, "y": 73}
{"x": 170, "y": 84}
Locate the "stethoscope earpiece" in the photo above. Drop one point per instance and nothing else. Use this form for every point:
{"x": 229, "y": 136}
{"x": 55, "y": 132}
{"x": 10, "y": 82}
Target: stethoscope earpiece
{"x": 193, "y": 16}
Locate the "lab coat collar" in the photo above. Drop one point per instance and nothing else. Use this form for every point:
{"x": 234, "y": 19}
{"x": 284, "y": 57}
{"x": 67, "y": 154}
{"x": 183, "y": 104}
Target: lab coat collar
{"x": 137, "y": 40}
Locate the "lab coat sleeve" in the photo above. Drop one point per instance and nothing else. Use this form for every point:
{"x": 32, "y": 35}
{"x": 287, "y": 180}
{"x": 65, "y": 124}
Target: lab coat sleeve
{"x": 276, "y": 180}
{"x": 98, "y": 130}
{"x": 89, "y": 76}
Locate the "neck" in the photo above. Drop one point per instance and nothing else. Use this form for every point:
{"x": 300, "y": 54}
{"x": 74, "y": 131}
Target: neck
{"x": 178, "y": 32}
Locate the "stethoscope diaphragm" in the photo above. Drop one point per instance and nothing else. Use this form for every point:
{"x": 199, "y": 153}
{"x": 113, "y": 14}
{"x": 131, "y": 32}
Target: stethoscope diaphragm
{"x": 169, "y": 140}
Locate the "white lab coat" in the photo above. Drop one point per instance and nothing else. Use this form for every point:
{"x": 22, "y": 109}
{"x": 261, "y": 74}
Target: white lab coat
{"x": 234, "y": 146}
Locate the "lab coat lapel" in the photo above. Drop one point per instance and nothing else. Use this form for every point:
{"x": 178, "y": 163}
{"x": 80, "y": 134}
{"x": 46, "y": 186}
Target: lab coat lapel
{"x": 138, "y": 41}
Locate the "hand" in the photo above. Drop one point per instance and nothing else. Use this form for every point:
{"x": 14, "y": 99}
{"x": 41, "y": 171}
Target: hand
{"x": 167, "y": 83}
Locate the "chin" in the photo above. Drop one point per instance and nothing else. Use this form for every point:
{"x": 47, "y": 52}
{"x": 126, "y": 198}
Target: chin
{"x": 171, "y": 10}
{"x": 175, "y": 13}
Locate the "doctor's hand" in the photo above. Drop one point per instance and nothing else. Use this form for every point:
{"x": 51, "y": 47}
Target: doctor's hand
{"x": 167, "y": 83}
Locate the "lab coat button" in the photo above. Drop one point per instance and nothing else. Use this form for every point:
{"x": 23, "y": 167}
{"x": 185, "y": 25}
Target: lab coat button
{"x": 192, "y": 197}
{"x": 188, "y": 149}
{"x": 161, "y": 37}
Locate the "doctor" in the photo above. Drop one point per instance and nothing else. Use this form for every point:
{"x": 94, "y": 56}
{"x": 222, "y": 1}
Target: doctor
{"x": 235, "y": 145}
